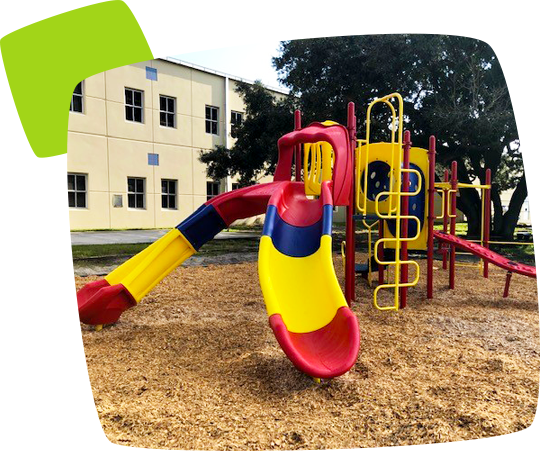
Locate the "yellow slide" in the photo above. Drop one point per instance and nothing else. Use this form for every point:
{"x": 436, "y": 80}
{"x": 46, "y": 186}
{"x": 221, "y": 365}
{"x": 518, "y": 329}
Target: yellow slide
{"x": 144, "y": 271}
{"x": 306, "y": 307}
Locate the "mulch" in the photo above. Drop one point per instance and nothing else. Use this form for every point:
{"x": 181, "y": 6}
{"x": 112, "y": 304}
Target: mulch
{"x": 195, "y": 366}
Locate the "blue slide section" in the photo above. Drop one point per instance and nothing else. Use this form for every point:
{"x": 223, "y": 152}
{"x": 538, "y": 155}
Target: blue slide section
{"x": 297, "y": 241}
{"x": 203, "y": 225}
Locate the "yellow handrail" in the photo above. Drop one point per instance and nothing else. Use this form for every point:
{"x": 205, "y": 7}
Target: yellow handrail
{"x": 449, "y": 203}
{"x": 318, "y": 163}
{"x": 369, "y": 228}
{"x": 363, "y": 161}
{"x": 443, "y": 203}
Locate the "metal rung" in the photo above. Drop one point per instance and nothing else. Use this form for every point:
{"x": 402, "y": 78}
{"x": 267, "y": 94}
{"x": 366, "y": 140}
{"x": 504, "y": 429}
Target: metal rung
{"x": 366, "y": 217}
{"x": 470, "y": 265}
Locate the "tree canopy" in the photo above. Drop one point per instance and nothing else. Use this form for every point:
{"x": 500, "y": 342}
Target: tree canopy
{"x": 453, "y": 87}
{"x": 254, "y": 153}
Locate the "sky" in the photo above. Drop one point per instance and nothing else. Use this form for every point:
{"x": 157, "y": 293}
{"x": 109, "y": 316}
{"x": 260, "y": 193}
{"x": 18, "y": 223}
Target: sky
{"x": 252, "y": 62}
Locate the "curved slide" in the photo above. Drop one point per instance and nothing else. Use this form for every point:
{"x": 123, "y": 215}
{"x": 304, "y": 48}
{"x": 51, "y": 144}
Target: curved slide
{"x": 306, "y": 307}
{"x": 103, "y": 301}
{"x": 487, "y": 254}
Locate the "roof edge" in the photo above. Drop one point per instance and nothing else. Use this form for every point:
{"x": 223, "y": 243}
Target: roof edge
{"x": 179, "y": 62}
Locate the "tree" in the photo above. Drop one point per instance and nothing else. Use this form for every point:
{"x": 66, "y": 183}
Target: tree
{"x": 453, "y": 87}
{"x": 254, "y": 154}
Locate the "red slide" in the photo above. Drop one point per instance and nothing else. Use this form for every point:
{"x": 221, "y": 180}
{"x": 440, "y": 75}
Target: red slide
{"x": 485, "y": 253}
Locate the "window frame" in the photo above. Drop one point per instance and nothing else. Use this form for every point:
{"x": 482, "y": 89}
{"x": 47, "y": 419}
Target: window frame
{"x": 168, "y": 195}
{"x": 133, "y": 106}
{"x": 211, "y": 120}
{"x": 136, "y": 193}
{"x": 235, "y": 123}
{"x": 166, "y": 111}
{"x": 77, "y": 191}
{"x": 215, "y": 184}
{"x": 81, "y": 95}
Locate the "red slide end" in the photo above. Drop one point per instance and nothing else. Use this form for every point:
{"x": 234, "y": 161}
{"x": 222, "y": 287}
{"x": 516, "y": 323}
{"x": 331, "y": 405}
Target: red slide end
{"x": 325, "y": 353}
{"x": 100, "y": 303}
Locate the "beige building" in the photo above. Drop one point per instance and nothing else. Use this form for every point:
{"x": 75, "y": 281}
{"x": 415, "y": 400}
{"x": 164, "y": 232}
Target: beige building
{"x": 134, "y": 137}
{"x": 530, "y": 210}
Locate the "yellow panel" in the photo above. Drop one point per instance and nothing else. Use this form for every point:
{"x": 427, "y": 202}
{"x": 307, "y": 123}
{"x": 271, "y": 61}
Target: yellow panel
{"x": 142, "y": 272}
{"x": 303, "y": 290}
{"x": 377, "y": 152}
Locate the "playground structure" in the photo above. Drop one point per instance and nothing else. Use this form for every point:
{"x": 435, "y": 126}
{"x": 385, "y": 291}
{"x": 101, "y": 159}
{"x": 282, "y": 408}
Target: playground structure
{"x": 390, "y": 185}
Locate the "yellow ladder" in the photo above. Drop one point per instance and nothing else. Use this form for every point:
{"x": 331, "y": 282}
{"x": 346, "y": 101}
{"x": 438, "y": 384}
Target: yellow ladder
{"x": 394, "y": 195}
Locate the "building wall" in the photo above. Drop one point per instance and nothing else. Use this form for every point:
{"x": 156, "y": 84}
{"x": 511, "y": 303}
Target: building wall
{"x": 530, "y": 210}
{"x": 108, "y": 148}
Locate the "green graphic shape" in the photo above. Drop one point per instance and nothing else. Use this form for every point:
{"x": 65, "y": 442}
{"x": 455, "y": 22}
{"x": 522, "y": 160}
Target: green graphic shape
{"x": 46, "y": 57}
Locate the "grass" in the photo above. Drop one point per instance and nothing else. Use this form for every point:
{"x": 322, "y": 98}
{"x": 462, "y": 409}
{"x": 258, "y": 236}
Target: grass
{"x": 521, "y": 253}
{"x": 81, "y": 252}
{"x": 461, "y": 228}
{"x": 69, "y": 258}
{"x": 214, "y": 247}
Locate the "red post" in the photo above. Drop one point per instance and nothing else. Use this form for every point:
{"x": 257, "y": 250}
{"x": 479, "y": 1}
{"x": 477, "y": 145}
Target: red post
{"x": 298, "y": 147}
{"x": 453, "y": 186}
{"x": 380, "y": 252}
{"x": 487, "y": 220}
{"x": 431, "y": 215}
{"x": 350, "y": 275}
{"x": 445, "y": 222}
{"x": 507, "y": 284}
{"x": 404, "y": 232}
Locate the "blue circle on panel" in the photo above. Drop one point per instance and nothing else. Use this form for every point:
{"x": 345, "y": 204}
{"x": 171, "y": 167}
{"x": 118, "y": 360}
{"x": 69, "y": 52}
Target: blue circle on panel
{"x": 378, "y": 180}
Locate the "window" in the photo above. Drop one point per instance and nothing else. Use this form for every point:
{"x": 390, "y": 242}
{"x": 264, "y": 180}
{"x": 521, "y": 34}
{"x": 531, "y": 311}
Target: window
{"x": 168, "y": 194}
{"x": 77, "y": 190}
{"x": 76, "y": 104}
{"x": 212, "y": 189}
{"x": 167, "y": 111}
{"x": 153, "y": 159}
{"x": 236, "y": 120}
{"x": 136, "y": 193}
{"x": 134, "y": 105}
{"x": 212, "y": 120}
{"x": 151, "y": 73}
{"x": 235, "y": 186}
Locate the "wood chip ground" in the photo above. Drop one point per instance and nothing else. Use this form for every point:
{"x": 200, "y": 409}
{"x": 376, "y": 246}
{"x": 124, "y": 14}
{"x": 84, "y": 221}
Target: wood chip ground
{"x": 196, "y": 366}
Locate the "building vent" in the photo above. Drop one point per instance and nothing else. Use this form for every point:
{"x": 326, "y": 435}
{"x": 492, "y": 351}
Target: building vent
{"x": 153, "y": 159}
{"x": 117, "y": 201}
{"x": 151, "y": 73}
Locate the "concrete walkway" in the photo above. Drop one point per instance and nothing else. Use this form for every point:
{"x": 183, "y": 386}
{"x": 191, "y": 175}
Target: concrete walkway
{"x": 141, "y": 236}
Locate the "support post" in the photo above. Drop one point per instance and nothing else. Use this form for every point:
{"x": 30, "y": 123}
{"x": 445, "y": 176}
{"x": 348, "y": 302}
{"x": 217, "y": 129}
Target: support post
{"x": 404, "y": 251}
{"x": 298, "y": 147}
{"x": 446, "y": 201}
{"x": 431, "y": 215}
{"x": 507, "y": 284}
{"x": 350, "y": 274}
{"x": 453, "y": 209}
{"x": 487, "y": 219}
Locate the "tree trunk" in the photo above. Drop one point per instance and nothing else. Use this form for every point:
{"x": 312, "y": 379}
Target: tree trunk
{"x": 469, "y": 203}
{"x": 497, "y": 211}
